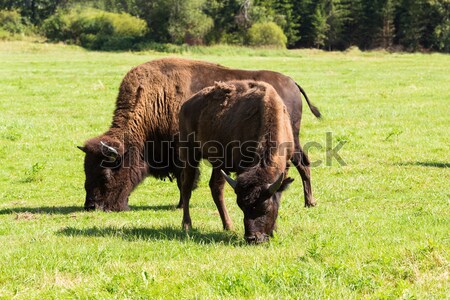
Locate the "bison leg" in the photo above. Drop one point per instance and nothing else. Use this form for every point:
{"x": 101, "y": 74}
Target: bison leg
{"x": 179, "y": 183}
{"x": 188, "y": 179}
{"x": 216, "y": 184}
{"x": 301, "y": 162}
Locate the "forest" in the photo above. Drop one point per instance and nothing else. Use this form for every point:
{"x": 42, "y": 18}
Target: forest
{"x": 395, "y": 25}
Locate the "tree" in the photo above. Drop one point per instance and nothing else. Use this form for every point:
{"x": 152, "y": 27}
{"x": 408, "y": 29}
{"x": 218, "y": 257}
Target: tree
{"x": 320, "y": 26}
{"x": 327, "y": 24}
{"x": 336, "y": 13}
{"x": 227, "y": 28}
{"x": 410, "y": 24}
{"x": 187, "y": 22}
{"x": 313, "y": 26}
{"x": 35, "y": 11}
{"x": 281, "y": 12}
{"x": 441, "y": 31}
{"x": 387, "y": 32}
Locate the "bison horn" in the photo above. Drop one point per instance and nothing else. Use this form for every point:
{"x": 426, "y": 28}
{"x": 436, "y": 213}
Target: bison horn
{"x": 230, "y": 180}
{"x": 273, "y": 188}
{"x": 82, "y": 148}
{"x": 109, "y": 150}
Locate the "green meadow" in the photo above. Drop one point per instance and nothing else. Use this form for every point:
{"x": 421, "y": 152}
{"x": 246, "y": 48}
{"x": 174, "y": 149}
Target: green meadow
{"x": 381, "y": 229}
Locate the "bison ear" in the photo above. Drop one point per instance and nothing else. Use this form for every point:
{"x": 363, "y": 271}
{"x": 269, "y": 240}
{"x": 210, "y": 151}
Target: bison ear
{"x": 285, "y": 184}
{"x": 82, "y": 148}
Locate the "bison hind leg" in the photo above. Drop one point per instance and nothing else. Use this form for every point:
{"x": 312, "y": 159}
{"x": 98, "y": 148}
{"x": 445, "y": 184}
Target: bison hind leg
{"x": 301, "y": 162}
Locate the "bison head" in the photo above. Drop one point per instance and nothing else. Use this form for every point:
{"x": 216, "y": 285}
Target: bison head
{"x": 259, "y": 201}
{"x": 108, "y": 183}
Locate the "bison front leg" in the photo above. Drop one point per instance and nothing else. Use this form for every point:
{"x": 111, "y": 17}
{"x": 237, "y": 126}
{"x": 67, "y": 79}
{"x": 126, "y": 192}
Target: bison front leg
{"x": 216, "y": 184}
{"x": 179, "y": 184}
{"x": 188, "y": 179}
{"x": 301, "y": 162}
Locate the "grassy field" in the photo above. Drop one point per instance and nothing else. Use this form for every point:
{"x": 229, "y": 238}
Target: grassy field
{"x": 380, "y": 230}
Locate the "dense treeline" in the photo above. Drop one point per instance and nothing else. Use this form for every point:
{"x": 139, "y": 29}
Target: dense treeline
{"x": 409, "y": 25}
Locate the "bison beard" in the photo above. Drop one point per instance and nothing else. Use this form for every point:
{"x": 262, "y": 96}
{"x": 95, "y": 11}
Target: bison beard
{"x": 146, "y": 114}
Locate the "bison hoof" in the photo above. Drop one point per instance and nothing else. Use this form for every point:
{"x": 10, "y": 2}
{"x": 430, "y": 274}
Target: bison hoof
{"x": 90, "y": 207}
{"x": 311, "y": 203}
{"x": 228, "y": 227}
{"x": 187, "y": 226}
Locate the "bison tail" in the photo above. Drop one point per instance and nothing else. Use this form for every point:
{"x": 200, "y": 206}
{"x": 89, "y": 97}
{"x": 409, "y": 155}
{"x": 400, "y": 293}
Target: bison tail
{"x": 313, "y": 109}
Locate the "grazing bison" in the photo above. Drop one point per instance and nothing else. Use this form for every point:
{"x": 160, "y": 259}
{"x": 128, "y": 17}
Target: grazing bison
{"x": 242, "y": 127}
{"x": 138, "y": 143}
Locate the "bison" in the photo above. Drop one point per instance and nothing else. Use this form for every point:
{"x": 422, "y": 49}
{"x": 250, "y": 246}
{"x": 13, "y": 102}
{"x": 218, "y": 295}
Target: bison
{"x": 242, "y": 127}
{"x": 140, "y": 142}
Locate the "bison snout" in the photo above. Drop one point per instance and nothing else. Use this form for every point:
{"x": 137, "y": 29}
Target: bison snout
{"x": 257, "y": 238}
{"x": 89, "y": 207}
{"x": 89, "y": 204}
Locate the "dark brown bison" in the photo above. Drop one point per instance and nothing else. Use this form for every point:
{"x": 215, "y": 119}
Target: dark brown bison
{"x": 242, "y": 127}
{"x": 139, "y": 141}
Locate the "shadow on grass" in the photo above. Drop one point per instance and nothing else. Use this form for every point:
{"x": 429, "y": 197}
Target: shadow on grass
{"x": 163, "y": 233}
{"x": 66, "y": 210}
{"x": 51, "y": 210}
{"x": 433, "y": 164}
{"x": 154, "y": 207}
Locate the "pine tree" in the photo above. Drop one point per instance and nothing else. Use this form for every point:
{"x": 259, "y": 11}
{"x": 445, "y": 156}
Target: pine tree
{"x": 387, "y": 33}
{"x": 336, "y": 14}
{"x": 320, "y": 25}
{"x": 409, "y": 24}
{"x": 291, "y": 25}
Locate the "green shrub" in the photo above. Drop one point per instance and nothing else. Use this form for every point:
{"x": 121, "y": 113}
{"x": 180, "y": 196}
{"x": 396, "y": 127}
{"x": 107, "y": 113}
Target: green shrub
{"x": 95, "y": 29}
{"x": 4, "y": 35}
{"x": 11, "y": 21}
{"x": 266, "y": 34}
{"x": 58, "y": 27}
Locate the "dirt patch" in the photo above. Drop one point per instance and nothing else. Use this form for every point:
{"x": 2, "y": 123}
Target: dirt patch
{"x": 25, "y": 216}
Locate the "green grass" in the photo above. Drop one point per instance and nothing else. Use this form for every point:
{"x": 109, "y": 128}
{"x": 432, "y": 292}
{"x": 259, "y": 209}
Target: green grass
{"x": 380, "y": 230}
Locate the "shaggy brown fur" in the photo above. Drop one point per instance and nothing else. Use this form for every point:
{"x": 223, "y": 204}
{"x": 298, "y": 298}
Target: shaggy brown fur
{"x": 251, "y": 116}
{"x": 145, "y": 120}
